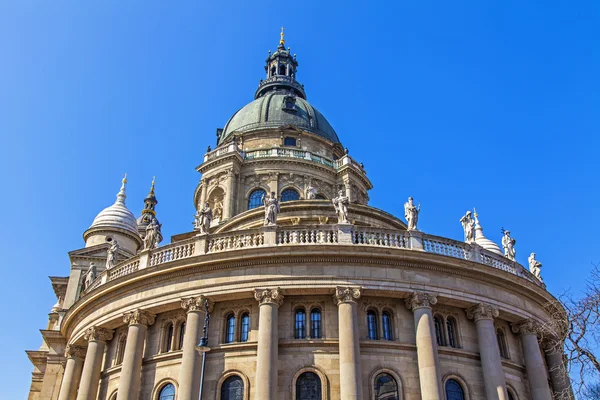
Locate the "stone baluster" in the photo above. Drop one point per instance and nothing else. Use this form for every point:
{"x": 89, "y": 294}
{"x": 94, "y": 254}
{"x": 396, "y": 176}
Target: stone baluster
{"x": 534, "y": 363}
{"x": 350, "y": 375}
{"x": 491, "y": 363}
{"x": 72, "y": 375}
{"x": 267, "y": 356}
{"x": 189, "y": 378}
{"x": 92, "y": 366}
{"x": 430, "y": 377}
{"x": 129, "y": 382}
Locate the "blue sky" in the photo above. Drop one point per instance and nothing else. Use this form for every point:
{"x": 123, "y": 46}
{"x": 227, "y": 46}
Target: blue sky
{"x": 459, "y": 104}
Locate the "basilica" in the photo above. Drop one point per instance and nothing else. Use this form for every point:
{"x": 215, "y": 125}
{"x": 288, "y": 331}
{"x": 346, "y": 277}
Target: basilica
{"x": 289, "y": 285}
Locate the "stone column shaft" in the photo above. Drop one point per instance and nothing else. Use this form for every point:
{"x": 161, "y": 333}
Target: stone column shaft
{"x": 129, "y": 382}
{"x": 268, "y": 343}
{"x": 491, "y": 363}
{"x": 189, "y": 377}
{"x": 430, "y": 377}
{"x": 350, "y": 375}
{"x": 534, "y": 363}
{"x": 72, "y": 375}
{"x": 90, "y": 376}
{"x": 561, "y": 383}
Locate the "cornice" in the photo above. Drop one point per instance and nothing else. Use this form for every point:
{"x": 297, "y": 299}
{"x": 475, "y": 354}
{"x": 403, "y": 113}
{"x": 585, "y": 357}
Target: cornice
{"x": 224, "y": 159}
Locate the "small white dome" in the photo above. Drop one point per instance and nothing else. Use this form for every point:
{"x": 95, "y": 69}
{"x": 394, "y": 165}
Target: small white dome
{"x": 484, "y": 242}
{"x": 117, "y": 216}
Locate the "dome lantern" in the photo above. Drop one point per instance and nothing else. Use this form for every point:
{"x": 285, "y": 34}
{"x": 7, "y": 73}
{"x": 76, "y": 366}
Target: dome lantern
{"x": 148, "y": 212}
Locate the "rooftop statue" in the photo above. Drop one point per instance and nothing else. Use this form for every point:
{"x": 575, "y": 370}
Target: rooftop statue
{"x": 411, "y": 214}
{"x": 90, "y": 275}
{"x": 340, "y": 204}
{"x": 271, "y": 209}
{"x": 203, "y": 219}
{"x": 535, "y": 267}
{"x": 468, "y": 224}
{"x": 112, "y": 254}
{"x": 153, "y": 235}
{"x": 508, "y": 243}
{"x": 311, "y": 192}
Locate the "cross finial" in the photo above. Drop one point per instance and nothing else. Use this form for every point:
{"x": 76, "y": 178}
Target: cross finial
{"x": 282, "y": 40}
{"x": 152, "y": 188}
{"x": 124, "y": 178}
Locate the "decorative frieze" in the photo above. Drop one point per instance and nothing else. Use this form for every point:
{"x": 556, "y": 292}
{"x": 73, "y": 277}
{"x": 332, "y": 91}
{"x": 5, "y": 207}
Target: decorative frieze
{"x": 526, "y": 327}
{"x": 482, "y": 311}
{"x": 420, "y": 300}
{"x": 72, "y": 351}
{"x": 196, "y": 304}
{"x": 139, "y": 317}
{"x": 346, "y": 294}
{"x": 98, "y": 334}
{"x": 269, "y": 296}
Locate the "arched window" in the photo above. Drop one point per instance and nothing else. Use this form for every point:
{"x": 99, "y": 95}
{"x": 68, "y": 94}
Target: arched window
{"x": 451, "y": 327}
{"x": 167, "y": 392}
{"x": 386, "y": 321}
{"x": 121, "y": 348}
{"x": 372, "y": 324}
{"x": 501, "y": 337}
{"x": 232, "y": 388}
{"x": 308, "y": 387}
{"x": 454, "y": 390}
{"x": 438, "y": 331}
{"x": 510, "y": 395}
{"x": 289, "y": 195}
{"x": 315, "y": 323}
{"x": 230, "y": 328}
{"x": 320, "y": 197}
{"x": 181, "y": 334}
{"x": 386, "y": 388}
{"x": 245, "y": 322}
{"x": 255, "y": 198}
{"x": 114, "y": 396}
{"x": 168, "y": 341}
{"x": 300, "y": 327}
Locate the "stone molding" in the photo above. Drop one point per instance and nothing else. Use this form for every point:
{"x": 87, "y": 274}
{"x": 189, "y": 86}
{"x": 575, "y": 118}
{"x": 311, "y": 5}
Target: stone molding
{"x": 139, "y": 317}
{"x": 72, "y": 351}
{"x": 482, "y": 311}
{"x": 269, "y": 296}
{"x": 420, "y": 300}
{"x": 526, "y": 327}
{"x": 346, "y": 294}
{"x": 198, "y": 303}
{"x": 98, "y": 334}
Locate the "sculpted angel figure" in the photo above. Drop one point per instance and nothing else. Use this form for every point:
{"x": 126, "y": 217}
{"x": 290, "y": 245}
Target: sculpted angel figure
{"x": 340, "y": 204}
{"x": 508, "y": 243}
{"x": 411, "y": 214}
{"x": 535, "y": 267}
{"x": 90, "y": 275}
{"x": 153, "y": 235}
{"x": 112, "y": 254}
{"x": 203, "y": 218}
{"x": 468, "y": 224}
{"x": 271, "y": 209}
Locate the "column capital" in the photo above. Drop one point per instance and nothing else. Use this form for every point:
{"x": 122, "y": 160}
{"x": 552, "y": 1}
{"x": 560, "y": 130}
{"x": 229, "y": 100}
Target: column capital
{"x": 72, "y": 351}
{"x": 198, "y": 303}
{"x": 482, "y": 311}
{"x": 346, "y": 294}
{"x": 420, "y": 300}
{"x": 96, "y": 333}
{"x": 269, "y": 296}
{"x": 526, "y": 327}
{"x": 139, "y": 317}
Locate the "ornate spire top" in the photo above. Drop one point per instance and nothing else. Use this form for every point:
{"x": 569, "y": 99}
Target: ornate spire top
{"x": 282, "y": 39}
{"x": 152, "y": 187}
{"x": 121, "y": 195}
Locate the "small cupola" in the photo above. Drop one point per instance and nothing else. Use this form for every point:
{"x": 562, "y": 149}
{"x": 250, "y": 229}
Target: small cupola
{"x": 148, "y": 212}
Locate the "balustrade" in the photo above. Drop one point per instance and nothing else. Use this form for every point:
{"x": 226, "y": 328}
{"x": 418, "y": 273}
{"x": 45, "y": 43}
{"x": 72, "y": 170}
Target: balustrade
{"x": 236, "y": 240}
{"x": 379, "y": 237}
{"x": 446, "y": 247}
{"x": 122, "y": 270}
{"x": 307, "y": 236}
{"x": 172, "y": 252}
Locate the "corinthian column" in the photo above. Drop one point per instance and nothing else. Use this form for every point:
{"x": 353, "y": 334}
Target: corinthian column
{"x": 561, "y": 383}
{"x": 189, "y": 378}
{"x": 129, "y": 383}
{"x": 491, "y": 363}
{"x": 269, "y": 301}
{"x": 430, "y": 377}
{"x": 534, "y": 363}
{"x": 90, "y": 377}
{"x": 350, "y": 376}
{"x": 72, "y": 375}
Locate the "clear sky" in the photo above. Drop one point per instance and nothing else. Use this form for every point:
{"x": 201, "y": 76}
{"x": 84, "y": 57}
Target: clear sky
{"x": 459, "y": 104}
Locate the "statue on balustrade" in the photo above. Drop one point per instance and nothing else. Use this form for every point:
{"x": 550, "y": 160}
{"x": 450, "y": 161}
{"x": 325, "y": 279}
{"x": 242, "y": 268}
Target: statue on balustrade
{"x": 468, "y": 224}
{"x": 411, "y": 214}
{"x": 203, "y": 219}
{"x": 311, "y": 192}
{"x": 340, "y": 204}
{"x": 153, "y": 235}
{"x": 508, "y": 243}
{"x": 535, "y": 267}
{"x": 271, "y": 209}
{"x": 112, "y": 254}
{"x": 90, "y": 275}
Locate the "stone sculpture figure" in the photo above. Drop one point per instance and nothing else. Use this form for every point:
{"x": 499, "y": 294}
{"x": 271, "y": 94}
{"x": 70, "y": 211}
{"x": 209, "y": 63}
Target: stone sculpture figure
{"x": 411, "y": 214}
{"x": 271, "y": 209}
{"x": 90, "y": 275}
{"x": 218, "y": 210}
{"x": 153, "y": 235}
{"x": 311, "y": 192}
{"x": 508, "y": 243}
{"x": 203, "y": 219}
{"x": 112, "y": 254}
{"x": 535, "y": 267}
{"x": 340, "y": 204}
{"x": 468, "y": 224}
